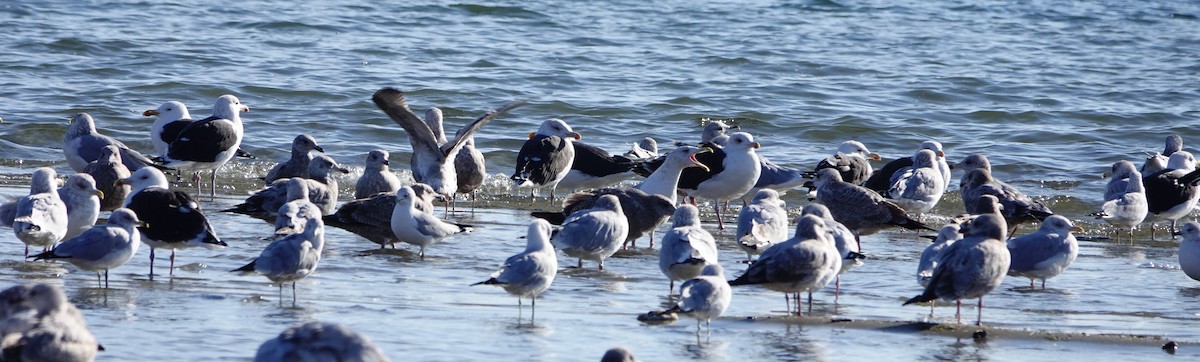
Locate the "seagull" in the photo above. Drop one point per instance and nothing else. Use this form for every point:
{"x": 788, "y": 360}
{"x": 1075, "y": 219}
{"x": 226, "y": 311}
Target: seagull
{"x": 863, "y": 211}
{"x": 469, "y": 165}
{"x": 41, "y": 217}
{"x": 806, "y": 262}
{"x": 971, "y": 267}
{"x": 106, "y": 171}
{"x": 850, "y": 161}
{"x": 371, "y": 218}
{"x": 761, "y": 224}
{"x": 297, "y": 165}
{"x": 732, "y": 171}
{"x": 322, "y": 191}
{"x": 647, "y": 205}
{"x": 81, "y": 197}
{"x": 102, "y": 247}
{"x": 376, "y": 177}
{"x": 292, "y": 257}
{"x": 173, "y": 220}
{"x": 1158, "y": 162}
{"x": 931, "y": 256}
{"x": 618, "y": 354}
{"x": 172, "y": 117}
{"x": 292, "y": 216}
{"x": 843, "y": 241}
{"x": 319, "y": 341}
{"x": 1172, "y": 193}
{"x": 595, "y": 233}
{"x": 1129, "y": 209}
{"x": 529, "y": 273}
{"x": 646, "y": 149}
{"x": 881, "y": 179}
{"x": 920, "y": 188}
{"x": 546, "y": 158}
{"x": 1018, "y": 207}
{"x": 1119, "y": 179}
{"x": 207, "y": 144}
{"x": 686, "y": 248}
{"x": 82, "y": 144}
{"x": 715, "y": 132}
{"x": 705, "y": 296}
{"x": 431, "y": 164}
{"x": 419, "y": 228}
{"x": 1045, "y": 253}
{"x": 40, "y": 324}
{"x": 595, "y": 168}
{"x": 1189, "y": 249}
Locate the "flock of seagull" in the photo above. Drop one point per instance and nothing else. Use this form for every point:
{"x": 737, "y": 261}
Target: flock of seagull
{"x": 968, "y": 258}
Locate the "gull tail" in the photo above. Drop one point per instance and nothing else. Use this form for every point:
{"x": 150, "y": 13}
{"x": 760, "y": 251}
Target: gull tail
{"x": 245, "y": 268}
{"x": 924, "y": 297}
{"x": 489, "y": 282}
{"x": 555, "y": 218}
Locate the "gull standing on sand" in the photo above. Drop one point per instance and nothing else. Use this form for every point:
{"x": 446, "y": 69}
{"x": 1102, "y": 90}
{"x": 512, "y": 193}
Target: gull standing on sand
{"x": 40, "y": 324}
{"x": 81, "y": 197}
{"x": 1045, "y": 253}
{"x": 863, "y": 211}
{"x": 686, "y": 248}
{"x": 1128, "y": 209}
{"x": 595, "y": 233}
{"x": 1189, "y": 249}
{"x": 322, "y": 191}
{"x": 416, "y": 227}
{"x": 971, "y": 267}
{"x": 82, "y": 144}
{"x": 1158, "y": 162}
{"x": 172, "y": 219}
{"x": 919, "y": 188}
{"x": 207, "y": 144}
{"x": 105, "y": 172}
{"x": 843, "y": 240}
{"x": 297, "y": 164}
{"x": 705, "y": 296}
{"x": 431, "y": 164}
{"x": 529, "y": 273}
{"x": 761, "y": 224}
{"x": 319, "y": 341}
{"x": 377, "y": 176}
{"x": 931, "y": 256}
{"x": 371, "y": 218}
{"x": 291, "y": 258}
{"x": 41, "y": 217}
{"x": 102, "y": 247}
{"x": 730, "y": 172}
{"x": 806, "y": 262}
{"x": 1171, "y": 193}
{"x": 546, "y": 158}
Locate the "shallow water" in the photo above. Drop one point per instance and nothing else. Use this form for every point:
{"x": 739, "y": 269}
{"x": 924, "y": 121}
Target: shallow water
{"x": 1053, "y": 93}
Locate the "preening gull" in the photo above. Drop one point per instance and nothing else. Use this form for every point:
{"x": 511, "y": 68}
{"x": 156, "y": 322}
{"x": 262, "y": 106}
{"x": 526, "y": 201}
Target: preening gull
{"x": 173, "y": 220}
{"x": 41, "y": 217}
{"x": 292, "y": 257}
{"x": 806, "y": 262}
{"x": 731, "y": 172}
{"x": 297, "y": 164}
{"x": 850, "y": 160}
{"x": 322, "y": 191}
{"x": 595, "y": 233}
{"x": 546, "y": 158}
{"x": 918, "y": 189}
{"x": 971, "y": 267}
{"x": 207, "y": 144}
{"x": 377, "y": 176}
{"x": 319, "y": 341}
{"x": 102, "y": 247}
{"x": 978, "y": 181}
{"x": 431, "y": 164}
{"x": 39, "y": 323}
{"x": 1189, "y": 249}
{"x": 106, "y": 171}
{"x": 761, "y": 224}
{"x": 1158, "y": 162}
{"x": 1119, "y": 179}
{"x": 594, "y": 167}
{"x": 1128, "y": 209}
{"x": 686, "y": 248}
{"x": 82, "y": 144}
{"x": 646, "y": 149}
{"x": 292, "y": 216}
{"x": 416, "y": 227}
{"x": 529, "y": 273}
{"x": 371, "y": 218}
{"x": 82, "y": 198}
{"x": 705, "y": 296}
{"x": 1172, "y": 193}
{"x": 863, "y": 211}
{"x": 1045, "y": 253}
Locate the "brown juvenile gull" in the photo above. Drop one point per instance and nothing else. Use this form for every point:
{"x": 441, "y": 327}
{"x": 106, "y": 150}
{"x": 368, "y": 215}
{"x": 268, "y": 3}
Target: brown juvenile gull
{"x": 106, "y": 171}
{"x": 377, "y": 176}
{"x": 371, "y": 218}
{"x": 863, "y": 211}
{"x": 297, "y": 164}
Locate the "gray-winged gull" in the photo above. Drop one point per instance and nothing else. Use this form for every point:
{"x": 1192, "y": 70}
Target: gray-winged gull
{"x": 919, "y": 188}
{"x": 322, "y": 191}
{"x": 1158, "y": 162}
{"x": 292, "y": 257}
{"x": 646, "y": 149}
{"x": 1189, "y": 249}
{"x": 705, "y": 296}
{"x": 80, "y": 195}
{"x": 971, "y": 267}
{"x": 173, "y": 220}
{"x": 292, "y": 216}
{"x": 843, "y": 240}
{"x": 1045, "y": 253}
{"x": 595, "y": 233}
{"x": 686, "y": 248}
{"x": 297, "y": 164}
{"x": 1172, "y": 193}
{"x": 82, "y": 144}
{"x": 209, "y": 143}
{"x": 41, "y": 217}
{"x": 863, "y": 211}
{"x": 1119, "y": 179}
{"x": 102, "y": 247}
{"x": 319, "y": 341}
{"x": 377, "y": 176}
{"x": 761, "y": 224}
{"x": 806, "y": 262}
{"x": 546, "y": 157}
{"x": 416, "y": 227}
{"x": 105, "y": 172}
{"x": 39, "y": 323}
{"x": 529, "y": 273}
{"x": 931, "y": 256}
{"x": 978, "y": 181}
{"x": 371, "y": 218}
{"x": 1128, "y": 209}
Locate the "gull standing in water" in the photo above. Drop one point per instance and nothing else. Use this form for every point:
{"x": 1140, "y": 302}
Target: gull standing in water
{"x": 971, "y": 267}
{"x": 1189, "y": 249}
{"x": 40, "y": 218}
{"x": 546, "y": 158}
{"x": 1045, "y": 253}
{"x": 207, "y": 144}
{"x": 102, "y": 247}
{"x": 371, "y": 218}
{"x": 686, "y": 248}
{"x": 80, "y": 196}
{"x": 761, "y": 224}
{"x": 322, "y": 191}
{"x": 806, "y": 262}
{"x": 376, "y": 177}
{"x": 850, "y": 161}
{"x": 82, "y": 144}
{"x": 1158, "y": 162}
{"x": 297, "y": 164}
{"x": 40, "y": 324}
{"x": 863, "y": 211}
{"x": 931, "y": 256}
{"x": 1119, "y": 179}
{"x": 705, "y": 296}
{"x": 595, "y": 233}
{"x": 919, "y": 188}
{"x": 171, "y": 117}
{"x": 292, "y": 216}
{"x": 106, "y": 171}
{"x": 470, "y": 168}
{"x": 1128, "y": 209}
{"x": 416, "y": 227}
{"x": 1171, "y": 194}
{"x": 529, "y": 273}
{"x": 881, "y": 180}
{"x": 319, "y": 341}
{"x": 173, "y": 220}
{"x": 843, "y": 240}
{"x": 291, "y": 258}
{"x": 977, "y": 181}
{"x": 731, "y": 172}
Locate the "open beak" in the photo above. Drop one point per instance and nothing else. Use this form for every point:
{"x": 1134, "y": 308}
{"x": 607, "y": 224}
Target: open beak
{"x": 874, "y": 157}
{"x": 697, "y": 163}
{"x": 150, "y": 112}
{"x": 1076, "y": 229}
{"x": 575, "y": 134}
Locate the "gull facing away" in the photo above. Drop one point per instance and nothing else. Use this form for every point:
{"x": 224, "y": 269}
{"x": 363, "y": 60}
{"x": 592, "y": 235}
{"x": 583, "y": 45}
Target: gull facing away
{"x": 1189, "y": 249}
{"x": 292, "y": 216}
{"x": 1045, "y": 253}
{"x": 1158, "y": 162}
{"x": 297, "y": 164}
{"x": 1119, "y": 179}
{"x": 417, "y": 227}
{"x": 1128, "y": 209}
{"x": 686, "y": 248}
{"x": 971, "y": 267}
{"x": 319, "y": 341}
{"x": 82, "y": 144}
{"x": 705, "y": 296}
{"x": 431, "y": 164}
{"x": 39, "y": 323}
{"x": 102, "y": 247}
{"x": 546, "y": 157}
{"x": 931, "y": 256}
{"x": 207, "y": 144}
{"x": 40, "y": 219}
{"x": 761, "y": 224}
{"x": 863, "y": 211}
{"x": 291, "y": 258}
{"x": 843, "y": 240}
{"x": 806, "y": 262}
{"x": 376, "y": 177}
{"x": 173, "y": 220}
{"x": 106, "y": 171}
{"x": 977, "y": 181}
{"x": 595, "y": 233}
{"x": 881, "y": 180}
{"x": 529, "y": 273}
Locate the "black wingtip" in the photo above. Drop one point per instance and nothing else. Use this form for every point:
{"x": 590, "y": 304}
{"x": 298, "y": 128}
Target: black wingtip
{"x": 554, "y": 218}
{"x": 245, "y": 268}
{"x": 489, "y": 282}
{"x": 919, "y": 299}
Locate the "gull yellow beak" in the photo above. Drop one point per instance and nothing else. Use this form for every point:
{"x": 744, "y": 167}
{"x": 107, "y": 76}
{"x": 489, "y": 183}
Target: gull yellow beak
{"x": 531, "y": 134}
{"x": 150, "y": 112}
{"x": 575, "y": 134}
{"x": 1076, "y": 229}
{"x": 98, "y": 193}
{"x": 756, "y": 145}
{"x": 874, "y": 157}
{"x": 941, "y": 153}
